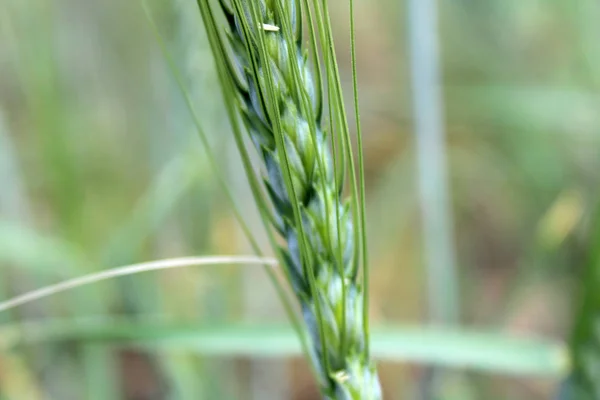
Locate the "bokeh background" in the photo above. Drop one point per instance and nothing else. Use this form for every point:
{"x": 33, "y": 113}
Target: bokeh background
{"x": 101, "y": 165}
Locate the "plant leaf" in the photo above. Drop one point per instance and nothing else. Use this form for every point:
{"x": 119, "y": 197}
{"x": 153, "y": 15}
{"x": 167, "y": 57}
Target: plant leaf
{"x": 469, "y": 349}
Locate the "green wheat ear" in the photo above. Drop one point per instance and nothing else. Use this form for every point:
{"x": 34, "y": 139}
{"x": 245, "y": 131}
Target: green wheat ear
{"x": 270, "y": 87}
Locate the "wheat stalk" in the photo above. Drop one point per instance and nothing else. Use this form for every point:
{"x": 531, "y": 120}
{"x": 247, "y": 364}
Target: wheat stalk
{"x": 267, "y": 73}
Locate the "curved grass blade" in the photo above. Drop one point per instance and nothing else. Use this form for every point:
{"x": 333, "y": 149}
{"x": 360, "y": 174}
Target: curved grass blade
{"x": 131, "y": 270}
{"x": 492, "y": 353}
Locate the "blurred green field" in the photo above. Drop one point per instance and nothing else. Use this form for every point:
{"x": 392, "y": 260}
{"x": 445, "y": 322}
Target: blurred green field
{"x": 101, "y": 166}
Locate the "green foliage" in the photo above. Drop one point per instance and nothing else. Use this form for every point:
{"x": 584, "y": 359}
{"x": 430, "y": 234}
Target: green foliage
{"x": 95, "y": 172}
{"x": 584, "y": 380}
{"x": 472, "y": 350}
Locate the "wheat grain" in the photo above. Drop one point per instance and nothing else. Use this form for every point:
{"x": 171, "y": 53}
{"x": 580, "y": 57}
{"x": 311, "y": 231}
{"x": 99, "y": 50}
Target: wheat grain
{"x": 281, "y": 107}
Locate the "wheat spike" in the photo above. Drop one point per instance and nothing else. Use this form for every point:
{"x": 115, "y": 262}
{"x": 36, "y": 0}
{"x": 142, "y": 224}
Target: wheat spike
{"x": 281, "y": 107}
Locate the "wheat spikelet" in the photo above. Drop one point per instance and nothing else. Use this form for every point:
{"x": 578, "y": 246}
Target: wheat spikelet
{"x": 280, "y": 104}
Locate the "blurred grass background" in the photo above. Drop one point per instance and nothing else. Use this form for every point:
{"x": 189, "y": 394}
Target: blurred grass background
{"x": 101, "y": 165}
